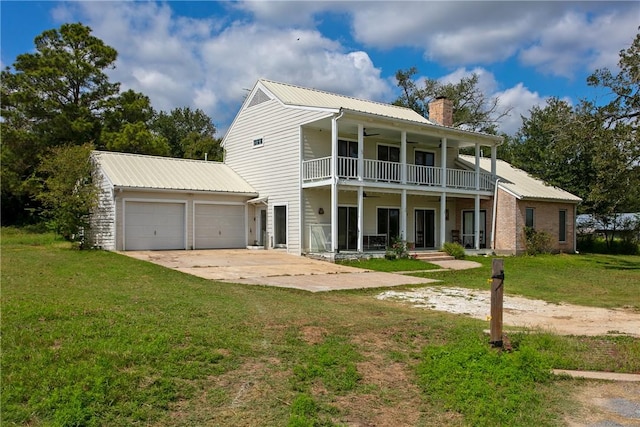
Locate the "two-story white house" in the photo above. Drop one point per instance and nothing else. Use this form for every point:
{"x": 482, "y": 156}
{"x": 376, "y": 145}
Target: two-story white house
{"x": 329, "y": 173}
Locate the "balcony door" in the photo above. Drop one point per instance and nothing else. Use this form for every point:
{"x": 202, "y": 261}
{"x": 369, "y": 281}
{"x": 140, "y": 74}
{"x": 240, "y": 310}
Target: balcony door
{"x": 425, "y": 226}
{"x": 347, "y": 228}
{"x": 389, "y": 223}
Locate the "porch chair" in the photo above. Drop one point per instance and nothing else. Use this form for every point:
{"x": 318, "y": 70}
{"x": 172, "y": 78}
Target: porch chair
{"x": 455, "y": 236}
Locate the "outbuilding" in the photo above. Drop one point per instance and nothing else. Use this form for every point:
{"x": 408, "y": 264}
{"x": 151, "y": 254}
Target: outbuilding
{"x": 161, "y": 203}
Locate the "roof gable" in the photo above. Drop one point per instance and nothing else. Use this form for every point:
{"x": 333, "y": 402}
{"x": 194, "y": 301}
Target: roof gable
{"x": 520, "y": 183}
{"x": 297, "y": 96}
{"x": 165, "y": 173}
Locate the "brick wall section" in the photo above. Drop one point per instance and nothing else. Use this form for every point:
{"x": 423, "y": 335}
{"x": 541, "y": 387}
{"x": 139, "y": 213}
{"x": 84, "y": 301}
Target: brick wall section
{"x": 506, "y": 224}
{"x": 546, "y": 218}
{"x": 510, "y": 222}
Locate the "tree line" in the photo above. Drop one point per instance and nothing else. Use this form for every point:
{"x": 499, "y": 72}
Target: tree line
{"x": 590, "y": 149}
{"x": 58, "y": 104}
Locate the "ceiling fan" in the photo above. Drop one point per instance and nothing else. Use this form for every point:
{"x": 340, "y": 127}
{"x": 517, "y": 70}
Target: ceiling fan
{"x": 368, "y": 196}
{"x": 364, "y": 133}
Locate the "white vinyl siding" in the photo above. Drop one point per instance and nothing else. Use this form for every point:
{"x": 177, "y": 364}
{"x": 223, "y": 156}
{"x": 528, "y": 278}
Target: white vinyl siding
{"x": 103, "y": 219}
{"x": 274, "y": 170}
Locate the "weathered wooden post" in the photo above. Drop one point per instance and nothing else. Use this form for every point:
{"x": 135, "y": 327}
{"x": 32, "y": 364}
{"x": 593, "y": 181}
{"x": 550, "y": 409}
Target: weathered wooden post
{"x": 497, "y": 293}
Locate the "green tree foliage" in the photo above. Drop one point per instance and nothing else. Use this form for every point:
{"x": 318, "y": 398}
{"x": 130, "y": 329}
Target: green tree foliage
{"x": 472, "y": 109}
{"x": 50, "y": 98}
{"x": 137, "y": 138}
{"x": 190, "y": 133}
{"x": 68, "y": 193}
{"x": 590, "y": 150}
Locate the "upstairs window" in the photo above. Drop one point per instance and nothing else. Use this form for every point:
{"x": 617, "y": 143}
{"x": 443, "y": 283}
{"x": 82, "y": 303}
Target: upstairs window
{"x": 389, "y": 153}
{"x": 258, "y": 143}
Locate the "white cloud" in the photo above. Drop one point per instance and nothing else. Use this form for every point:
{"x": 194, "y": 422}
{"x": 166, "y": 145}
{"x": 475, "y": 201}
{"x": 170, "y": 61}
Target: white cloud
{"x": 210, "y": 65}
{"x": 560, "y": 37}
{"x": 520, "y": 100}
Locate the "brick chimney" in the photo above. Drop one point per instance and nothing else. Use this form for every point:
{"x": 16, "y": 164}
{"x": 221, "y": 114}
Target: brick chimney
{"x": 441, "y": 111}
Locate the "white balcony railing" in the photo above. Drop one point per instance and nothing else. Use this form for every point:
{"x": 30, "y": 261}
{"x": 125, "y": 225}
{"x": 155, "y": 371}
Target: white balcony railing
{"x": 383, "y": 171}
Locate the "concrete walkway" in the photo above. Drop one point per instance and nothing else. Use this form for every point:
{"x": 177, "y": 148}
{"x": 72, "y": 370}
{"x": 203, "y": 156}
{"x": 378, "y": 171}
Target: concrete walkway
{"x": 274, "y": 268}
{"x": 593, "y": 375}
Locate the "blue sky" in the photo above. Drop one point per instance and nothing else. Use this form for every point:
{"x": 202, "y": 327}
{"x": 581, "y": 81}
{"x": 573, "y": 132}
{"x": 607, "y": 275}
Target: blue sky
{"x": 207, "y": 54}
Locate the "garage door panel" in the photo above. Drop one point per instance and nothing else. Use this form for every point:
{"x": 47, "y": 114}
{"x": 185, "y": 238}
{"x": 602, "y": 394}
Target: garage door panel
{"x": 219, "y": 226}
{"x": 154, "y": 226}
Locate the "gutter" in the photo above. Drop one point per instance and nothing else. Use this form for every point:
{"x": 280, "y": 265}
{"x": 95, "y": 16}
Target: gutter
{"x": 494, "y": 219}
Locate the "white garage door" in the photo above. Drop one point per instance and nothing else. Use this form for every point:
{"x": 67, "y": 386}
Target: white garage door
{"x": 219, "y": 226}
{"x": 154, "y": 226}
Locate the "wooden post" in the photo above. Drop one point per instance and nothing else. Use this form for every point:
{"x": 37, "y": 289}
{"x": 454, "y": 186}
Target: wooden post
{"x": 497, "y": 293}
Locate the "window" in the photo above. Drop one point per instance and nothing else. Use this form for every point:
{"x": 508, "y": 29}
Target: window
{"x": 347, "y": 148}
{"x": 389, "y": 153}
{"x": 258, "y": 143}
{"x": 424, "y": 158}
{"x": 280, "y": 225}
{"x": 562, "y": 226}
{"x": 528, "y": 219}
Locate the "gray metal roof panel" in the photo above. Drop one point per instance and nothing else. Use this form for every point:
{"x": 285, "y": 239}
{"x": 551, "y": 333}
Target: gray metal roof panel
{"x": 152, "y": 172}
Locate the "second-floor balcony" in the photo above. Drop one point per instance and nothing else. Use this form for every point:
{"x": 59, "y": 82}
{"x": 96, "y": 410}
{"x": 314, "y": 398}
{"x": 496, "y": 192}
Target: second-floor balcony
{"x": 391, "y": 172}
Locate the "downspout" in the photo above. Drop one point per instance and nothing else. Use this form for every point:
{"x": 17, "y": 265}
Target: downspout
{"x": 494, "y": 219}
{"x": 334, "y": 181}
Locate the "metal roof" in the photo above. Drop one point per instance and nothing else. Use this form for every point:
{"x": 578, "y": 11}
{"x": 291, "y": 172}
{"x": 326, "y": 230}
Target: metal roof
{"x": 304, "y": 97}
{"x": 165, "y": 173}
{"x": 520, "y": 183}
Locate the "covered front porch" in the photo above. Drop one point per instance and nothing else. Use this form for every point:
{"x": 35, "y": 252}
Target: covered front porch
{"x": 371, "y": 219}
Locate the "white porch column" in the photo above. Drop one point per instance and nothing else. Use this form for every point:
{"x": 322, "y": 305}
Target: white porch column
{"x": 403, "y": 215}
{"x": 360, "y": 218}
{"x": 360, "y": 152}
{"x": 334, "y": 185}
{"x": 443, "y": 219}
{"x": 494, "y": 156}
{"x": 476, "y": 224}
{"x": 443, "y": 162}
{"x": 477, "y": 167}
{"x": 403, "y": 156}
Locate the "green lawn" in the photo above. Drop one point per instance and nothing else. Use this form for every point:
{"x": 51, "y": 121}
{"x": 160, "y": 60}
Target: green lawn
{"x": 97, "y": 338}
{"x": 390, "y": 266}
{"x": 593, "y": 280}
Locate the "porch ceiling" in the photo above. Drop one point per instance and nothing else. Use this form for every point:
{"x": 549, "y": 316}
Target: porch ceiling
{"x": 391, "y": 133}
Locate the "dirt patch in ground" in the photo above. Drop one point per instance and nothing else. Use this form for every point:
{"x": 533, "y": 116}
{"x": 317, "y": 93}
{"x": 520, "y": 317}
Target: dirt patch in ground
{"x": 606, "y": 404}
{"x": 564, "y": 319}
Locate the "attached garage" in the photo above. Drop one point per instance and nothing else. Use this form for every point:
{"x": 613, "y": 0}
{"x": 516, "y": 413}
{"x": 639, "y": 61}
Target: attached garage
{"x": 219, "y": 226}
{"x": 154, "y": 226}
{"x": 160, "y": 203}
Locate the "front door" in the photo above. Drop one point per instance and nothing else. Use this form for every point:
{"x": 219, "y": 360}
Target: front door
{"x": 262, "y": 227}
{"x": 425, "y": 225}
{"x": 468, "y": 231}
{"x": 280, "y": 226}
{"x": 347, "y": 228}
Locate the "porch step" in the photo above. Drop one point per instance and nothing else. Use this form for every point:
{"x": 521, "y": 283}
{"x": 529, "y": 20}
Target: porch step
{"x": 432, "y": 256}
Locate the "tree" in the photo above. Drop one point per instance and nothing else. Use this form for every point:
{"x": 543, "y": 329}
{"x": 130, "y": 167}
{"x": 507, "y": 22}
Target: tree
{"x": 190, "y": 133}
{"x": 590, "y": 150}
{"x": 50, "y": 98}
{"x": 472, "y": 109}
{"x": 67, "y": 191}
{"x": 137, "y": 138}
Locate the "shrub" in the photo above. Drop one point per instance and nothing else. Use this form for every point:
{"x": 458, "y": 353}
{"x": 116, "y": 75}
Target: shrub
{"x": 399, "y": 249}
{"x": 455, "y": 250}
{"x": 537, "y": 242}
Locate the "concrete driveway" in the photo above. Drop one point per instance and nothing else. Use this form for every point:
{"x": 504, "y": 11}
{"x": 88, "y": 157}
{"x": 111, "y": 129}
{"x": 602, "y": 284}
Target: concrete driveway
{"x": 273, "y": 268}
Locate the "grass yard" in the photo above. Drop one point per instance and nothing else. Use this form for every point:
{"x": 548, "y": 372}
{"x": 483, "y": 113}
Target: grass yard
{"x": 97, "y": 338}
{"x": 391, "y": 266}
{"x": 610, "y": 281}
